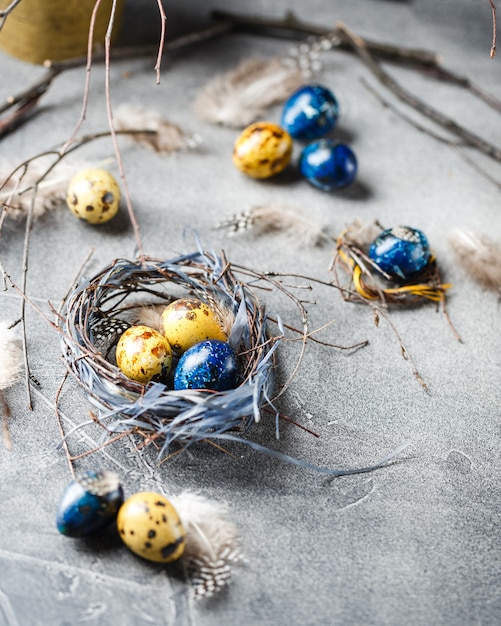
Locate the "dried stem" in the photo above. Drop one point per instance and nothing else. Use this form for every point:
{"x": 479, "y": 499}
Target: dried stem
{"x": 291, "y": 24}
{"x": 425, "y": 109}
{"x": 27, "y": 99}
{"x": 4, "y": 13}
{"x": 60, "y": 426}
{"x": 163, "y": 21}
{"x": 494, "y": 29}
{"x": 118, "y": 154}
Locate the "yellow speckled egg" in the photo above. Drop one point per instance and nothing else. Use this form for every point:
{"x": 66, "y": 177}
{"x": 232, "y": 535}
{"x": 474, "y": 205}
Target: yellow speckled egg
{"x": 143, "y": 354}
{"x": 149, "y": 525}
{"x": 262, "y": 150}
{"x": 93, "y": 195}
{"x": 188, "y": 321}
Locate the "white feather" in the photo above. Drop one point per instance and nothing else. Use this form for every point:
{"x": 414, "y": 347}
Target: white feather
{"x": 480, "y": 256}
{"x": 213, "y": 542}
{"x": 242, "y": 95}
{"x": 51, "y": 192}
{"x": 164, "y": 136}
{"x": 362, "y": 234}
{"x": 11, "y": 356}
{"x": 277, "y": 217}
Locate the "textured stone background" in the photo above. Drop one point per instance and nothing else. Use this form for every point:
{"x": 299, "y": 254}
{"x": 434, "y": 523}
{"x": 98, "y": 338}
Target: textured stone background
{"x": 416, "y": 542}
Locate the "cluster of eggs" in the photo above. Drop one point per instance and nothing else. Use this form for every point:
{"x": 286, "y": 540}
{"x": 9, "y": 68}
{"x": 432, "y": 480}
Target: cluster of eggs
{"x": 147, "y": 522}
{"x": 264, "y": 149}
{"x": 193, "y": 335}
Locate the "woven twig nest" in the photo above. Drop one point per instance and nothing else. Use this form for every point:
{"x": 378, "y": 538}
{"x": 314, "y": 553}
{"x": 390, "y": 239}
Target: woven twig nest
{"x": 156, "y": 411}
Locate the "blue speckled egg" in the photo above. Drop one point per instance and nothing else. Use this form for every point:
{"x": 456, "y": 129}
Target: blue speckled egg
{"x": 328, "y": 165}
{"x": 210, "y": 364}
{"x": 89, "y": 503}
{"x": 310, "y": 113}
{"x": 400, "y": 251}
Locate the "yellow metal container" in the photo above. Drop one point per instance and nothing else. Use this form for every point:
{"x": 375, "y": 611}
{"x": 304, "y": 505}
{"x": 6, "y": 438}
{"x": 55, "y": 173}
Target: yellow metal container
{"x": 55, "y": 30}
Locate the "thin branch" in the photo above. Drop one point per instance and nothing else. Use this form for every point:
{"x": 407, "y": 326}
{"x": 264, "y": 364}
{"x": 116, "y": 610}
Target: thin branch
{"x": 428, "y": 111}
{"x": 118, "y": 154}
{"x": 291, "y": 24}
{"x": 163, "y": 21}
{"x": 4, "y": 13}
{"x": 27, "y": 99}
{"x": 494, "y": 29}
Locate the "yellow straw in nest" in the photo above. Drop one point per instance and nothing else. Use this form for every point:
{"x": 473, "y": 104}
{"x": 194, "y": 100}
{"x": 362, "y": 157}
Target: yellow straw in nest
{"x": 55, "y": 30}
{"x": 435, "y": 293}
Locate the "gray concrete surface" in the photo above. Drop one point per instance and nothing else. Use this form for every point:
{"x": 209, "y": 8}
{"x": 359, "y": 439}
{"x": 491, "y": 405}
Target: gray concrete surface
{"x": 414, "y": 543}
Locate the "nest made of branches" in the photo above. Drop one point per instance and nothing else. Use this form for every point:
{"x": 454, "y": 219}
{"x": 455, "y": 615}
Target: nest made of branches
{"x": 370, "y": 283}
{"x": 159, "y": 413}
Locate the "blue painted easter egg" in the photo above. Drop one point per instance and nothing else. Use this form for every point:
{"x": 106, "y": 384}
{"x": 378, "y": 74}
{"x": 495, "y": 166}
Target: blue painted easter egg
{"x": 210, "y": 364}
{"x": 89, "y": 503}
{"x": 400, "y": 251}
{"x": 328, "y": 165}
{"x": 310, "y": 113}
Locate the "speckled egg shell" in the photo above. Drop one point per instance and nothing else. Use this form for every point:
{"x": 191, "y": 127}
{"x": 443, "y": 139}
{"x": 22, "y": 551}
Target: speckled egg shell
{"x": 188, "y": 321}
{"x": 89, "y": 503}
{"x": 328, "y": 165}
{"x": 143, "y": 354}
{"x": 149, "y": 525}
{"x": 401, "y": 251}
{"x": 262, "y": 150}
{"x": 310, "y": 113}
{"x": 210, "y": 364}
{"x": 93, "y": 195}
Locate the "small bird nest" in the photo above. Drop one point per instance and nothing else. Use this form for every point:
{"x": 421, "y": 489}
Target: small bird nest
{"x": 156, "y": 411}
{"x": 372, "y": 284}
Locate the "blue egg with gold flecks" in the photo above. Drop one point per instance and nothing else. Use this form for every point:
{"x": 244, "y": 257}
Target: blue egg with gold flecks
{"x": 89, "y": 503}
{"x": 401, "y": 251}
{"x": 328, "y": 165}
{"x": 310, "y": 113}
{"x": 210, "y": 364}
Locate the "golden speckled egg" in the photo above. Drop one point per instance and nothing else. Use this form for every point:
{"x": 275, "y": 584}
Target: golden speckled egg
{"x": 143, "y": 354}
{"x": 149, "y": 525}
{"x": 188, "y": 321}
{"x": 93, "y": 195}
{"x": 262, "y": 150}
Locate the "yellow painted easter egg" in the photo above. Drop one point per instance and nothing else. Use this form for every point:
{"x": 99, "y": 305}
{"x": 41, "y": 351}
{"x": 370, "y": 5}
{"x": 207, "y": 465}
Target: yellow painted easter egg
{"x": 188, "y": 321}
{"x": 262, "y": 150}
{"x": 93, "y": 195}
{"x": 150, "y": 526}
{"x": 143, "y": 354}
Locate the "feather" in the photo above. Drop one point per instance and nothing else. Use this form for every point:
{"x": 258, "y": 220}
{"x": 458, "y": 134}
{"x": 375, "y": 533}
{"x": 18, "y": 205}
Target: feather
{"x": 164, "y": 136}
{"x": 51, "y": 192}
{"x": 242, "y": 95}
{"x": 362, "y": 234}
{"x": 147, "y": 315}
{"x": 213, "y": 542}
{"x": 480, "y": 256}
{"x": 11, "y": 356}
{"x": 277, "y": 217}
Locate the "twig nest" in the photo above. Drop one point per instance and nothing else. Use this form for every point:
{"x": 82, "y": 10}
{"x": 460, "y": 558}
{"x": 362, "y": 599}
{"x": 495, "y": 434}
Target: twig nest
{"x": 262, "y": 150}
{"x": 93, "y": 195}
{"x": 310, "y": 113}
{"x": 149, "y": 525}
{"x": 154, "y": 409}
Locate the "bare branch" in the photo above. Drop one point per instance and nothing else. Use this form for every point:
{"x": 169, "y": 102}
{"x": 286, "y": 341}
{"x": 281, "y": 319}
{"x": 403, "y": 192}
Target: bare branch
{"x": 4, "y": 13}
